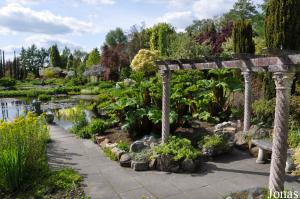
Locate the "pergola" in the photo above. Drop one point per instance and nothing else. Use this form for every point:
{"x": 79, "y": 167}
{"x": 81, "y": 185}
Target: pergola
{"x": 282, "y": 64}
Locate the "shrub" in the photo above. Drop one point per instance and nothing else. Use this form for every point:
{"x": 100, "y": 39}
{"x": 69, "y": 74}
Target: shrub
{"x": 144, "y": 61}
{"x": 142, "y": 156}
{"x": 94, "y": 127}
{"x": 294, "y": 138}
{"x": 22, "y": 151}
{"x": 107, "y": 151}
{"x": 123, "y": 146}
{"x": 64, "y": 179}
{"x": 51, "y": 72}
{"x": 296, "y": 158}
{"x": 7, "y": 82}
{"x": 79, "y": 123}
{"x": 214, "y": 143}
{"x": 264, "y": 111}
{"x": 44, "y": 97}
{"x": 179, "y": 148}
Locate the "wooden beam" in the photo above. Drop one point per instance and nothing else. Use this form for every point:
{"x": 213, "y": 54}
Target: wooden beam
{"x": 272, "y": 63}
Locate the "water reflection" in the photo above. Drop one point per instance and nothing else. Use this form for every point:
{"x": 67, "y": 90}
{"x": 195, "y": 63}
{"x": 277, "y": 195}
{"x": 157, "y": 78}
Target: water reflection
{"x": 12, "y": 108}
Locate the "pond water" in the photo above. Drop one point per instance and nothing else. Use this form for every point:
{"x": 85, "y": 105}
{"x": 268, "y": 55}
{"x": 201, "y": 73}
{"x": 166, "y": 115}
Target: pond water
{"x": 13, "y": 107}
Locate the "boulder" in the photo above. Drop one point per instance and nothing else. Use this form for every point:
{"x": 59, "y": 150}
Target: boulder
{"x": 111, "y": 145}
{"x": 49, "y": 117}
{"x": 188, "y": 165}
{"x": 149, "y": 140}
{"x": 224, "y": 124}
{"x": 152, "y": 164}
{"x": 100, "y": 139}
{"x": 104, "y": 143}
{"x": 125, "y": 160}
{"x": 118, "y": 152}
{"x": 241, "y": 141}
{"x": 139, "y": 166}
{"x": 137, "y": 146}
{"x": 166, "y": 163}
{"x": 257, "y": 132}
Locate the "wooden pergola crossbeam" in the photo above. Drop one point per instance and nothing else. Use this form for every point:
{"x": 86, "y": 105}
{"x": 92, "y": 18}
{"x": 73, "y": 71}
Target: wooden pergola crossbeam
{"x": 283, "y": 65}
{"x": 260, "y": 64}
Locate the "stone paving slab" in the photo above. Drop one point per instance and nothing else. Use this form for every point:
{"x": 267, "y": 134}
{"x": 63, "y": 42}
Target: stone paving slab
{"x": 105, "y": 179}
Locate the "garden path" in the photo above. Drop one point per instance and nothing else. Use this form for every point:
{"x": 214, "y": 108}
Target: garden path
{"x": 105, "y": 179}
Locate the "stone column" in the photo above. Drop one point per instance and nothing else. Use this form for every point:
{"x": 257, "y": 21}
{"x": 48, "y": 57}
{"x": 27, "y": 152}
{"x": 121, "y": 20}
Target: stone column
{"x": 283, "y": 81}
{"x": 248, "y": 95}
{"x": 165, "y": 105}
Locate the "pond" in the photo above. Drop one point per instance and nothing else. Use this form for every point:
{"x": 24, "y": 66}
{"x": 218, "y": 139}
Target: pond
{"x": 14, "y": 107}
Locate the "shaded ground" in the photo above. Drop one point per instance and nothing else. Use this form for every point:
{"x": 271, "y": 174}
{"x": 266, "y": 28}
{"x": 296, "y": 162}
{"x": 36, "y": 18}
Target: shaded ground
{"x": 105, "y": 179}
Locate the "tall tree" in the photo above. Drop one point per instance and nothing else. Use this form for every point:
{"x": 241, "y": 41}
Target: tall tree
{"x": 136, "y": 40}
{"x": 242, "y": 9}
{"x": 70, "y": 64}
{"x": 64, "y": 57}
{"x": 243, "y": 37}
{"x": 160, "y": 38}
{"x": 93, "y": 58}
{"x": 115, "y": 37}
{"x": 282, "y": 24}
{"x": 55, "y": 59}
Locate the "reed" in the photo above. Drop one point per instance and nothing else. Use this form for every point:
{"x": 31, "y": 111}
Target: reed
{"x": 22, "y": 151}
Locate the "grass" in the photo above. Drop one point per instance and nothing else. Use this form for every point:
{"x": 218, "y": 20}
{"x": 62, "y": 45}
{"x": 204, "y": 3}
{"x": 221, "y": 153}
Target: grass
{"x": 107, "y": 151}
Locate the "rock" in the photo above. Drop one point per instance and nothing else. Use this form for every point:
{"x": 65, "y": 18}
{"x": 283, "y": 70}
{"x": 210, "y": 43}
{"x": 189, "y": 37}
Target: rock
{"x": 110, "y": 145}
{"x": 118, "y": 152}
{"x": 104, "y": 143}
{"x": 231, "y": 130}
{"x": 148, "y": 140}
{"x": 129, "y": 82}
{"x": 137, "y": 146}
{"x": 256, "y": 132}
{"x": 100, "y": 139}
{"x": 166, "y": 163}
{"x": 254, "y": 151}
{"x": 241, "y": 141}
{"x": 49, "y": 117}
{"x": 224, "y": 124}
{"x": 152, "y": 164}
{"x": 125, "y": 160}
{"x": 139, "y": 166}
{"x": 188, "y": 165}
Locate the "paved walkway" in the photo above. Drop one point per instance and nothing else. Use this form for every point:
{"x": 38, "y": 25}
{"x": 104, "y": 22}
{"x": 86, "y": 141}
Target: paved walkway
{"x": 105, "y": 179}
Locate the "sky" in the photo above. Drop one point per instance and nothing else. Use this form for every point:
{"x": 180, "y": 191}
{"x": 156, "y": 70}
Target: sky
{"x": 83, "y": 24}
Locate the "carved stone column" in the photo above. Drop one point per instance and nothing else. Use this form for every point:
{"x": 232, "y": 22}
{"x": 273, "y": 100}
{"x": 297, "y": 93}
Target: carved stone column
{"x": 165, "y": 105}
{"x": 283, "y": 83}
{"x": 248, "y": 95}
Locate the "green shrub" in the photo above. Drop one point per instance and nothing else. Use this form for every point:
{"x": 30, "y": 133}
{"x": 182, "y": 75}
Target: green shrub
{"x": 123, "y": 146}
{"x": 79, "y": 123}
{"x": 64, "y": 179}
{"x": 7, "y": 82}
{"x": 44, "y": 97}
{"x": 180, "y": 148}
{"x": 214, "y": 142}
{"x": 294, "y": 138}
{"x": 264, "y": 111}
{"x": 22, "y": 151}
{"x": 142, "y": 156}
{"x": 107, "y": 151}
{"x": 96, "y": 126}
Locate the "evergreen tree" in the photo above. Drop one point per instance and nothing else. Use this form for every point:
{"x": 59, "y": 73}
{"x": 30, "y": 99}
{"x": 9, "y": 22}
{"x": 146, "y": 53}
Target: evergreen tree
{"x": 64, "y": 57}
{"x": 282, "y": 30}
{"x": 160, "y": 38}
{"x": 93, "y": 58}
{"x": 115, "y": 37}
{"x": 282, "y": 24}
{"x": 55, "y": 59}
{"x": 242, "y": 10}
{"x": 70, "y": 64}
{"x": 242, "y": 37}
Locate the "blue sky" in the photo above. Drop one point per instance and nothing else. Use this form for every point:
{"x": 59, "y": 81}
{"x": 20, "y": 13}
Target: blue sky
{"x": 83, "y": 24}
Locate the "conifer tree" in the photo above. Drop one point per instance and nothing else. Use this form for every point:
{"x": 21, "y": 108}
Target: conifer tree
{"x": 242, "y": 37}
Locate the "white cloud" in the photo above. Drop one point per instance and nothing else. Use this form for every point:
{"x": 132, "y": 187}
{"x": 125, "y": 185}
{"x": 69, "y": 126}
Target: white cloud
{"x": 178, "y": 19}
{"x": 18, "y": 18}
{"x": 204, "y": 9}
{"x": 97, "y": 2}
